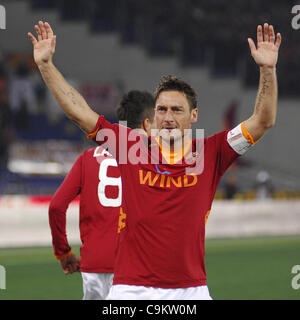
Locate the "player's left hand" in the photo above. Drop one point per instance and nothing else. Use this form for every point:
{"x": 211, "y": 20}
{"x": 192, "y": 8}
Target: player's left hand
{"x": 266, "y": 51}
{"x": 70, "y": 264}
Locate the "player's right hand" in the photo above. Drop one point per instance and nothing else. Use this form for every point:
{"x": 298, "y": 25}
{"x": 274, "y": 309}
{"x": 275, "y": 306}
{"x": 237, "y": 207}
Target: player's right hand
{"x": 70, "y": 264}
{"x": 44, "y": 47}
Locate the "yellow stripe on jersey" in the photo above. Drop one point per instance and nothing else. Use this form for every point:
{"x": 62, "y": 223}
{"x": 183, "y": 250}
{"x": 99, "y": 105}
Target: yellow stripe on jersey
{"x": 122, "y": 223}
{"x": 92, "y": 134}
{"x": 63, "y": 256}
{"x": 206, "y": 216}
{"x": 172, "y": 157}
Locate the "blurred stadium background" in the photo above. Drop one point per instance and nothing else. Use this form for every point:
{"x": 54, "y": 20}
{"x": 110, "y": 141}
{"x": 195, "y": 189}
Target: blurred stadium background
{"x": 107, "y": 47}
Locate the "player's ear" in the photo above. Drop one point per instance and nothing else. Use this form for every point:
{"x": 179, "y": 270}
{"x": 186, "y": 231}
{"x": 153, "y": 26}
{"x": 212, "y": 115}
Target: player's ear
{"x": 147, "y": 126}
{"x": 194, "y": 115}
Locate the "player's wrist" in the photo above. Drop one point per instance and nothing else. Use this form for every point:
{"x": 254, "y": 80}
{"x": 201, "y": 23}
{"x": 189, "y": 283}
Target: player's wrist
{"x": 267, "y": 69}
{"x": 44, "y": 65}
{"x": 64, "y": 255}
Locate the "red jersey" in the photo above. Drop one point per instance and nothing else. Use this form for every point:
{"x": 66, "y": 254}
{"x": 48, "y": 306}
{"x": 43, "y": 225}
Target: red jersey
{"x": 162, "y": 243}
{"x": 96, "y": 177}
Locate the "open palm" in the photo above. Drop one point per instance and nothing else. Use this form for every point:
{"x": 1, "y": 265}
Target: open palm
{"x": 266, "y": 52}
{"x": 44, "y": 47}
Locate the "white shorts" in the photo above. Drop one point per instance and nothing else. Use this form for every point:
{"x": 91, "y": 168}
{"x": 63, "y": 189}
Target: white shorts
{"x": 130, "y": 292}
{"x": 96, "y": 286}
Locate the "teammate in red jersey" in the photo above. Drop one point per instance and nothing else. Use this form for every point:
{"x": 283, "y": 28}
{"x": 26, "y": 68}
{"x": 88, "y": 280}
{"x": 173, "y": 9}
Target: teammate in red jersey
{"x": 96, "y": 178}
{"x": 161, "y": 252}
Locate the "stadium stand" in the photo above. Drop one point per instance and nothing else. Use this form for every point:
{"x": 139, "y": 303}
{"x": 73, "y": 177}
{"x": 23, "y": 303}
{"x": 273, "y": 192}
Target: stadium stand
{"x": 205, "y": 42}
{"x": 184, "y": 29}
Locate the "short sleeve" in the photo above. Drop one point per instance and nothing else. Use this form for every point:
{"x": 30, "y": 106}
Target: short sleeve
{"x": 225, "y": 155}
{"x": 240, "y": 139}
{"x": 232, "y": 144}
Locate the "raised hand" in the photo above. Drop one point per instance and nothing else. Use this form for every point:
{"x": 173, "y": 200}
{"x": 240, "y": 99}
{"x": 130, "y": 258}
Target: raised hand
{"x": 266, "y": 52}
{"x": 44, "y": 47}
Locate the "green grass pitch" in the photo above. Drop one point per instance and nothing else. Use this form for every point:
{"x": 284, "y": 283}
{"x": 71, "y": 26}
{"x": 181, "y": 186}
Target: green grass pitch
{"x": 237, "y": 269}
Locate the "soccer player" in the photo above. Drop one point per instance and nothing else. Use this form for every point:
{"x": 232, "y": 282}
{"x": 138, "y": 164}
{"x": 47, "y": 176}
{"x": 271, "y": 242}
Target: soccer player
{"x": 96, "y": 178}
{"x": 161, "y": 251}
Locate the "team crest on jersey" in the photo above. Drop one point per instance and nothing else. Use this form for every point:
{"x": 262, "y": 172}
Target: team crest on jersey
{"x": 191, "y": 157}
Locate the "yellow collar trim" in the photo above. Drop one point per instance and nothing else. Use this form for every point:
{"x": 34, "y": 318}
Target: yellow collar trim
{"x": 173, "y": 157}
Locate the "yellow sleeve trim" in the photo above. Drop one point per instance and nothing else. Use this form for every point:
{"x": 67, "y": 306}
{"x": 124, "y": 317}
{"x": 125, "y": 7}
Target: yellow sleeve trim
{"x": 246, "y": 134}
{"x": 64, "y": 255}
{"x": 92, "y": 134}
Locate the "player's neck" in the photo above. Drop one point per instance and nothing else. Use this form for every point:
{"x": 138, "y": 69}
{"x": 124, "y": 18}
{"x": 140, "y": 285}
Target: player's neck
{"x": 176, "y": 147}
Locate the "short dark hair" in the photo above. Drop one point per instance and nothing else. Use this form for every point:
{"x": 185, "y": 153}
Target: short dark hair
{"x": 135, "y": 107}
{"x": 170, "y": 83}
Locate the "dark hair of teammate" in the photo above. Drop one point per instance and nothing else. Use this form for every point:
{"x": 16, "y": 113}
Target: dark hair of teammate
{"x": 170, "y": 83}
{"x": 135, "y": 107}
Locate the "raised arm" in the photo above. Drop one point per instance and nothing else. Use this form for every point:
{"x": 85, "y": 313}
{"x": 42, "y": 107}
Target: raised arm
{"x": 66, "y": 96}
{"x": 265, "y": 55}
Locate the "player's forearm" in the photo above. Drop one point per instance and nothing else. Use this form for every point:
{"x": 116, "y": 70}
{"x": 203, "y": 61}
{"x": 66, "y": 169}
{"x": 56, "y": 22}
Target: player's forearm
{"x": 264, "y": 115}
{"x": 57, "y": 222}
{"x": 69, "y": 99}
{"x": 266, "y": 102}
